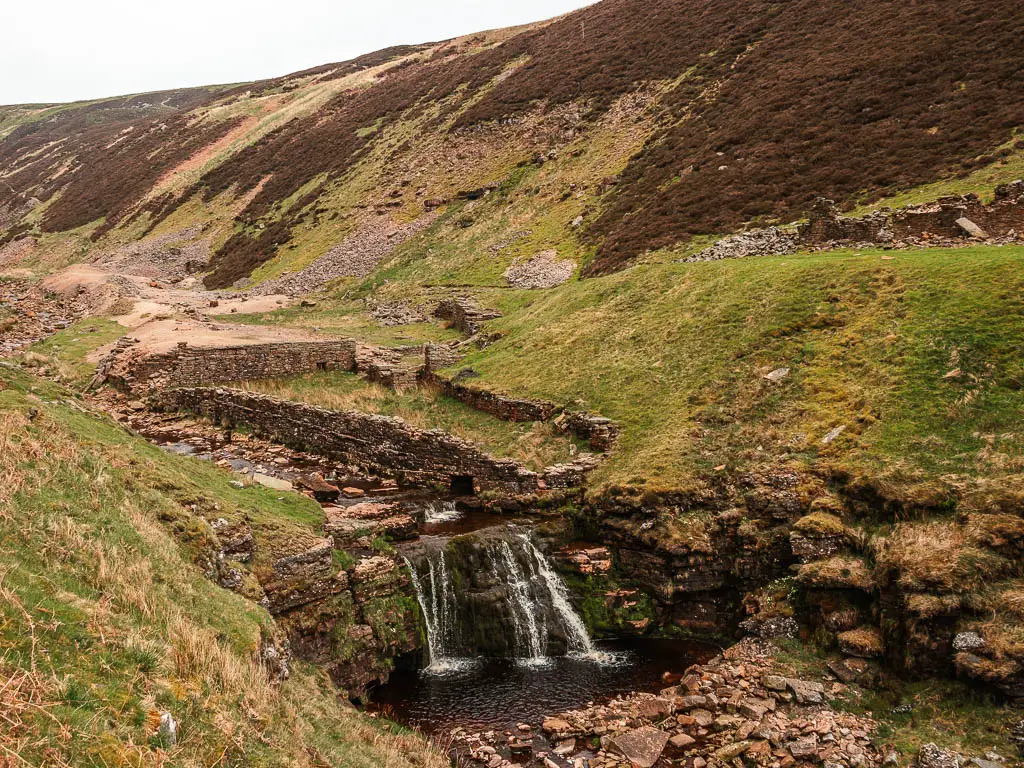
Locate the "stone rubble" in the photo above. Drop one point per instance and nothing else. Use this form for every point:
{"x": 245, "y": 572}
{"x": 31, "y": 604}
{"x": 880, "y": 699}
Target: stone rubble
{"x": 28, "y": 315}
{"x": 729, "y": 712}
{"x": 949, "y": 222}
{"x": 545, "y": 270}
{"x": 168, "y": 258}
{"x": 758, "y": 242}
{"x": 355, "y": 256}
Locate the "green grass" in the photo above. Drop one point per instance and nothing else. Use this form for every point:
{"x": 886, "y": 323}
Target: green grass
{"x": 105, "y": 621}
{"x": 535, "y": 444}
{"x": 676, "y": 354}
{"x": 68, "y": 348}
{"x": 343, "y": 318}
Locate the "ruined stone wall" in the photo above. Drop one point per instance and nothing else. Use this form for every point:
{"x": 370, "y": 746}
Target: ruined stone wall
{"x": 504, "y": 408}
{"x": 393, "y": 367}
{"x": 187, "y": 366}
{"x": 465, "y": 314}
{"x": 598, "y": 431}
{"x": 379, "y": 444}
{"x": 1004, "y": 217}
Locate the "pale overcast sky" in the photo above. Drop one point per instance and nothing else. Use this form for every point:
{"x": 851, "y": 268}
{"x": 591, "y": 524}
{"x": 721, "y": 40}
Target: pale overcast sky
{"x": 67, "y": 50}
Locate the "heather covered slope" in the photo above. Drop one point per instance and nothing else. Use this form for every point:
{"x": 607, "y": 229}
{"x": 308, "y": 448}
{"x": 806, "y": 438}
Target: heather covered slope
{"x": 696, "y": 116}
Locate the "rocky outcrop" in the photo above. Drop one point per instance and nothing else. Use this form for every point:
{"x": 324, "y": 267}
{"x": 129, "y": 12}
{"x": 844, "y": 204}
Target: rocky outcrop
{"x": 354, "y": 621}
{"x": 694, "y": 566}
{"x": 361, "y": 524}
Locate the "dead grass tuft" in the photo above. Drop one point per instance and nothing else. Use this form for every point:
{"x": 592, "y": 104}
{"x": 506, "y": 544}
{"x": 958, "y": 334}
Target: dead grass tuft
{"x": 837, "y": 573}
{"x": 941, "y": 556}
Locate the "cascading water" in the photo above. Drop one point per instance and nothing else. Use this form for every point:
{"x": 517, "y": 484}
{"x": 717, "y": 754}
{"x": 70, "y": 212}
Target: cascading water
{"x": 575, "y": 630}
{"x": 494, "y": 594}
{"x": 441, "y": 512}
{"x": 525, "y": 611}
{"x": 439, "y": 610}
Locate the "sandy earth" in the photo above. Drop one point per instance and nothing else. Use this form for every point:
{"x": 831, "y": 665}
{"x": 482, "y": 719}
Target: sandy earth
{"x": 160, "y": 318}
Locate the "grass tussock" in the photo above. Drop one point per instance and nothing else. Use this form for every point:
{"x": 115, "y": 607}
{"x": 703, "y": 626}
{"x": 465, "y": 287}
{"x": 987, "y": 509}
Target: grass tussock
{"x": 941, "y": 556}
{"x": 838, "y": 572}
{"x": 820, "y": 525}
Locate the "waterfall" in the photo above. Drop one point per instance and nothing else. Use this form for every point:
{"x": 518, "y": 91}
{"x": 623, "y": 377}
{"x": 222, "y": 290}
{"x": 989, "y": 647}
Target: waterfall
{"x": 439, "y": 611}
{"x": 575, "y": 630}
{"x": 524, "y": 605}
{"x": 494, "y": 593}
{"x": 441, "y": 512}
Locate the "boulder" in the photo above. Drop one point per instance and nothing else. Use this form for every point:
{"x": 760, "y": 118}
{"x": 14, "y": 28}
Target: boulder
{"x": 641, "y": 746}
{"x": 931, "y": 756}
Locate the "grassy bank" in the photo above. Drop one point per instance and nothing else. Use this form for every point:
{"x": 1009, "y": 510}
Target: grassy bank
{"x": 916, "y": 355}
{"x": 105, "y": 622}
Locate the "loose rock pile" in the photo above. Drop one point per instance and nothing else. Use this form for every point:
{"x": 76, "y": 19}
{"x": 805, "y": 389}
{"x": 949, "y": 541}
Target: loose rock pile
{"x": 356, "y": 256}
{"x": 728, "y": 712}
{"x": 758, "y": 242}
{"x": 28, "y": 315}
{"x": 15, "y": 251}
{"x": 169, "y": 258}
{"x": 389, "y": 315}
{"x": 545, "y": 270}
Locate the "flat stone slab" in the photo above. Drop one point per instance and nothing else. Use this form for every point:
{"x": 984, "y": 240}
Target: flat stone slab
{"x": 642, "y": 746}
{"x": 274, "y": 483}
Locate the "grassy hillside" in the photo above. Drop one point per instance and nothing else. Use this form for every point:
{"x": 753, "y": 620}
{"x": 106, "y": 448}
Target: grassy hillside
{"x": 105, "y": 622}
{"x": 915, "y": 354}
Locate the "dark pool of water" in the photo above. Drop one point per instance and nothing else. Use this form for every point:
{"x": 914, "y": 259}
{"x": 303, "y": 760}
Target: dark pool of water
{"x": 499, "y": 694}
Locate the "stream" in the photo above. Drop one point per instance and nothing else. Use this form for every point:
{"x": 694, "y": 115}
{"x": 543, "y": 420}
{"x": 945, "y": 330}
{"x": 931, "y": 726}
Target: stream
{"x": 506, "y": 645}
{"x": 498, "y": 694}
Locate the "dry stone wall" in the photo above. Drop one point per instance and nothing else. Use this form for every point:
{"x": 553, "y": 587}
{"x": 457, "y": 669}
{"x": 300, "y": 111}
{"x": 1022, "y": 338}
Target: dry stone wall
{"x": 504, "y": 408}
{"x": 379, "y": 444}
{"x": 394, "y": 367}
{"x": 465, "y": 314}
{"x": 948, "y": 218}
{"x": 187, "y": 366}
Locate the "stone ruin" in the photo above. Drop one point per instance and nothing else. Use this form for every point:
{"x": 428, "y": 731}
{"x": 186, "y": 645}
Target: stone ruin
{"x": 952, "y": 221}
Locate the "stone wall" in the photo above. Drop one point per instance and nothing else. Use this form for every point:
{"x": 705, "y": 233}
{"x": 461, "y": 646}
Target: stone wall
{"x": 504, "y": 408}
{"x": 187, "y": 366}
{"x": 393, "y": 367}
{"x": 949, "y": 221}
{"x": 943, "y": 218}
{"x": 465, "y": 314}
{"x": 378, "y": 444}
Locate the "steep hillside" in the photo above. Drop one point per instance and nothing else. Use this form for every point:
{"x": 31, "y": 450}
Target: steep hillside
{"x": 108, "y": 623}
{"x": 690, "y": 118}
